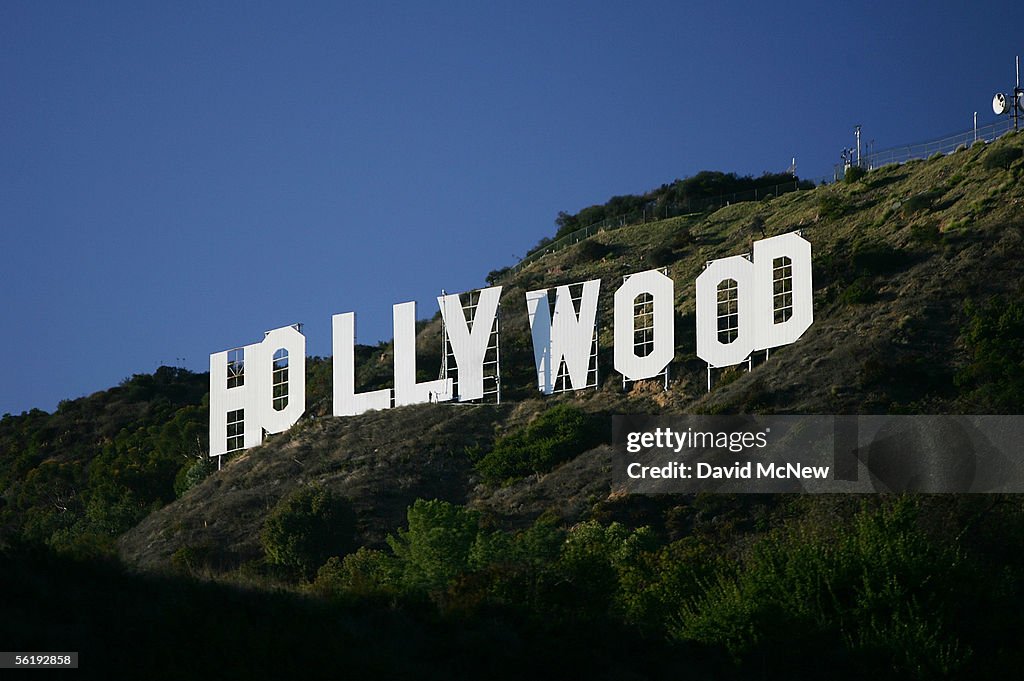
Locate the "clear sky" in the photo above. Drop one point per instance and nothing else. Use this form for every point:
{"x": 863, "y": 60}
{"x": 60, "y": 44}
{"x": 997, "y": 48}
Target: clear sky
{"x": 178, "y": 177}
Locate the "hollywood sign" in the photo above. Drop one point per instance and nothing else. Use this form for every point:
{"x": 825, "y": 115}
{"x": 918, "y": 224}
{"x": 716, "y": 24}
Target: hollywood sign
{"x": 743, "y": 305}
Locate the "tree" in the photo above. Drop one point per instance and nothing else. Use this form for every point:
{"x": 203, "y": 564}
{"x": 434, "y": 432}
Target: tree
{"x": 306, "y": 527}
{"x": 566, "y": 223}
{"x": 435, "y": 548}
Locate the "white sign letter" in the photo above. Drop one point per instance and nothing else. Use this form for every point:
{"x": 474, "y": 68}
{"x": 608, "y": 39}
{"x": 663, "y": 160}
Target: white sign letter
{"x": 566, "y": 337}
{"x": 256, "y": 388}
{"x": 784, "y": 263}
{"x": 725, "y": 311}
{"x": 470, "y": 347}
{"x": 346, "y": 401}
{"x": 744, "y": 306}
{"x": 407, "y": 390}
{"x": 659, "y": 287}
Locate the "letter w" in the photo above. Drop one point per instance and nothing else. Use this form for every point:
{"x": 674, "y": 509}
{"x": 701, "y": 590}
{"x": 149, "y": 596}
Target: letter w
{"x": 563, "y": 336}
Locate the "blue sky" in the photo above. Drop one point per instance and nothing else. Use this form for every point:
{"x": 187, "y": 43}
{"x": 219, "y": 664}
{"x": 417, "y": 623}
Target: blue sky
{"x": 177, "y": 178}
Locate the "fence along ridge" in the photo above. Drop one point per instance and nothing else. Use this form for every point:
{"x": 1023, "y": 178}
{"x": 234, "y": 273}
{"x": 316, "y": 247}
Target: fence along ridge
{"x": 896, "y": 154}
{"x": 902, "y": 153}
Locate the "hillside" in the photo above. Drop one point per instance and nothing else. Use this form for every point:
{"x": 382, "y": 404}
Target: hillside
{"x": 897, "y": 255}
{"x": 917, "y": 303}
{"x": 79, "y": 477}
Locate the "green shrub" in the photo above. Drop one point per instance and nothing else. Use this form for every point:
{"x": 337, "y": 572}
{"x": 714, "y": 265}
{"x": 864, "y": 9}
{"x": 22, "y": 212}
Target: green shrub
{"x": 661, "y": 256}
{"x": 853, "y": 174}
{"x": 878, "y": 587}
{"x": 594, "y": 560}
{"x": 591, "y": 249}
{"x": 191, "y": 560}
{"x": 557, "y": 435}
{"x": 494, "y": 276}
{"x": 366, "y": 573}
{"x": 955, "y": 225}
{"x": 681, "y": 237}
{"x": 927, "y": 232}
{"x": 879, "y": 258}
{"x": 860, "y": 292}
{"x": 994, "y": 337}
{"x": 653, "y": 582}
{"x": 112, "y": 510}
{"x": 191, "y": 474}
{"x": 541, "y": 245}
{"x": 832, "y": 206}
{"x": 919, "y": 202}
{"x": 537, "y": 546}
{"x": 84, "y": 544}
{"x": 694, "y": 193}
{"x": 1002, "y": 157}
{"x": 306, "y": 527}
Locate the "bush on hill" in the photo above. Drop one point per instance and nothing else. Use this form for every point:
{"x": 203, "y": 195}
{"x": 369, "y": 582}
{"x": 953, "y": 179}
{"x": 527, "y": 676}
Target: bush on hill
{"x": 853, "y": 174}
{"x": 1001, "y": 158}
{"x": 994, "y": 337}
{"x": 557, "y": 435}
{"x": 689, "y": 195}
{"x": 306, "y": 527}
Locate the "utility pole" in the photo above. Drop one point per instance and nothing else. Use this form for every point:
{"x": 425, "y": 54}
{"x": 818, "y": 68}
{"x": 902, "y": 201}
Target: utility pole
{"x": 1016, "y": 104}
{"x": 1016, "y": 96}
{"x": 856, "y": 132}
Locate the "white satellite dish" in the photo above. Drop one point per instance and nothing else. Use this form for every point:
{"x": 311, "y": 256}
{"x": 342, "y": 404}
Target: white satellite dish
{"x": 999, "y": 104}
{"x": 1020, "y": 101}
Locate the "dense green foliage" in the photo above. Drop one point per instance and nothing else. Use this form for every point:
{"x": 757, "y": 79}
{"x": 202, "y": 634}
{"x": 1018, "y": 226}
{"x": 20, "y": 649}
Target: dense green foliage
{"x": 435, "y": 547}
{"x": 447, "y": 556}
{"x": 689, "y": 195}
{"x": 906, "y": 587}
{"x": 919, "y": 202}
{"x": 494, "y": 276}
{"x": 557, "y": 435}
{"x": 81, "y": 476}
{"x": 306, "y": 527}
{"x": 882, "y": 592}
{"x": 994, "y": 336}
{"x": 878, "y": 587}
